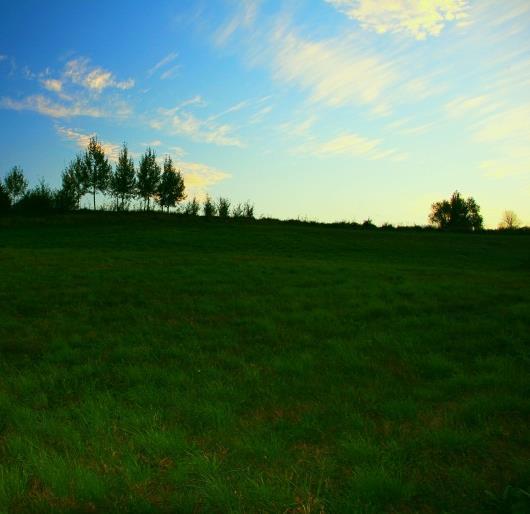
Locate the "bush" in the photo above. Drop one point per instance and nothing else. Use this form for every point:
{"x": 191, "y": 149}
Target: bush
{"x": 40, "y": 199}
{"x": 368, "y": 224}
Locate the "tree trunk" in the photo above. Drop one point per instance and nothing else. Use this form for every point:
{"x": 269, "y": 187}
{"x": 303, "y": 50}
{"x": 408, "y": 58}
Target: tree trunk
{"x": 94, "y": 197}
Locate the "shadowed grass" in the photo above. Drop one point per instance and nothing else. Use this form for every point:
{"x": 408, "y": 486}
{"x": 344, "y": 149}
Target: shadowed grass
{"x": 161, "y": 364}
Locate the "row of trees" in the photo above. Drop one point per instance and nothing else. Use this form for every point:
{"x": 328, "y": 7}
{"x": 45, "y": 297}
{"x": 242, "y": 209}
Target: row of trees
{"x": 91, "y": 173}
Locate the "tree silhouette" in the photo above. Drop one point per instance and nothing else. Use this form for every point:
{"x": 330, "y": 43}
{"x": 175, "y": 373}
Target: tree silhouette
{"x": 171, "y": 187}
{"x": 456, "y": 214}
{"x": 192, "y": 208}
{"x": 5, "y": 201}
{"x": 509, "y": 221}
{"x": 123, "y": 180}
{"x": 148, "y": 177}
{"x": 97, "y": 170}
{"x": 209, "y": 208}
{"x": 223, "y": 207}
{"x": 15, "y": 184}
{"x": 74, "y": 182}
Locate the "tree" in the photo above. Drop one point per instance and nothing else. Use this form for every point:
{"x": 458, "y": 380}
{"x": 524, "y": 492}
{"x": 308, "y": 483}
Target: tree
{"x": 192, "y": 208}
{"x": 74, "y": 182}
{"x": 148, "y": 177}
{"x": 223, "y": 207}
{"x": 123, "y": 180}
{"x": 97, "y": 170}
{"x": 5, "y": 201}
{"x": 248, "y": 210}
{"x": 209, "y": 207}
{"x": 171, "y": 187}
{"x": 456, "y": 214}
{"x": 509, "y": 221}
{"x": 15, "y": 184}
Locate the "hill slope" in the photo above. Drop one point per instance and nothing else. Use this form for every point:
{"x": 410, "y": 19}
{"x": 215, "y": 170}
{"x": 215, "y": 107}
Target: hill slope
{"x": 153, "y": 363}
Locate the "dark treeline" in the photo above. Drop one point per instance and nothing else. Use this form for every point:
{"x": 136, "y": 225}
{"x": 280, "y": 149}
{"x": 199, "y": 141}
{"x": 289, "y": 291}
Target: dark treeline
{"x": 90, "y": 173}
{"x": 141, "y": 187}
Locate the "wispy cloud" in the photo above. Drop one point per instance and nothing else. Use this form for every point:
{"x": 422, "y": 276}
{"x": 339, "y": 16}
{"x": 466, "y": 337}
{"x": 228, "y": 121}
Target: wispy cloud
{"x": 416, "y": 18}
{"x": 47, "y": 107}
{"x": 407, "y": 127}
{"x": 82, "y": 139}
{"x": 233, "y": 108}
{"x": 153, "y": 144}
{"x": 244, "y": 17}
{"x": 260, "y": 115}
{"x": 298, "y": 128}
{"x": 54, "y": 85}
{"x": 168, "y": 59}
{"x": 335, "y": 71}
{"x": 176, "y": 120}
{"x": 203, "y": 130}
{"x": 353, "y": 145}
{"x": 80, "y": 72}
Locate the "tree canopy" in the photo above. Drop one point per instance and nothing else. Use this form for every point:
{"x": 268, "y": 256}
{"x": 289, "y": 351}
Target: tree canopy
{"x": 148, "y": 177}
{"x": 15, "y": 184}
{"x": 171, "y": 187}
{"x": 123, "y": 180}
{"x": 97, "y": 170}
{"x": 456, "y": 213}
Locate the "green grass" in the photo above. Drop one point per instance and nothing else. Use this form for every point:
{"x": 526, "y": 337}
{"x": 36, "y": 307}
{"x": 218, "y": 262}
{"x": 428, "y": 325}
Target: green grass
{"x": 159, "y": 364}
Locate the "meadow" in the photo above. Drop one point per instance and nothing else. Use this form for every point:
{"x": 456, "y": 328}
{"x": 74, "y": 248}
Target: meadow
{"x": 153, "y": 363}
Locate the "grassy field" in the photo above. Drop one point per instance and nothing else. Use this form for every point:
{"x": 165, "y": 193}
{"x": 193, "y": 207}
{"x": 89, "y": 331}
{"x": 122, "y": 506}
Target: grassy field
{"x": 159, "y": 364}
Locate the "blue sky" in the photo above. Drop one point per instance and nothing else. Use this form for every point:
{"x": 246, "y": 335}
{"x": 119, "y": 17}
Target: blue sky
{"x": 325, "y": 109}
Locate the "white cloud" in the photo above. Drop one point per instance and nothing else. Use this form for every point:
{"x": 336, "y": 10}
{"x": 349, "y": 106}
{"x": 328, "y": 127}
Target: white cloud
{"x": 198, "y": 177}
{"x": 52, "y": 85}
{"x": 336, "y": 71}
{"x": 407, "y": 127}
{"x": 233, "y": 108}
{"x": 244, "y": 17}
{"x": 82, "y": 139}
{"x": 508, "y": 125}
{"x": 153, "y": 144}
{"x": 261, "y": 114}
{"x": 416, "y": 18}
{"x": 162, "y": 63}
{"x": 203, "y": 130}
{"x": 177, "y": 121}
{"x": 298, "y": 128}
{"x": 43, "y": 105}
{"x": 95, "y": 79}
{"x": 353, "y": 145}
{"x": 170, "y": 72}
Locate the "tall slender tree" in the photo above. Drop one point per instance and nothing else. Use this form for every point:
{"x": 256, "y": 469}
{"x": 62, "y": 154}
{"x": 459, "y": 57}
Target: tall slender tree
{"x": 74, "y": 182}
{"x": 97, "y": 169}
{"x": 171, "y": 187}
{"x": 123, "y": 180}
{"x": 148, "y": 177}
{"x": 15, "y": 184}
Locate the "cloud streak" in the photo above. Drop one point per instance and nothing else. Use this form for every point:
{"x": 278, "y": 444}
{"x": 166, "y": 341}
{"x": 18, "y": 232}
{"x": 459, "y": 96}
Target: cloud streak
{"x": 416, "y": 18}
{"x": 47, "y": 107}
